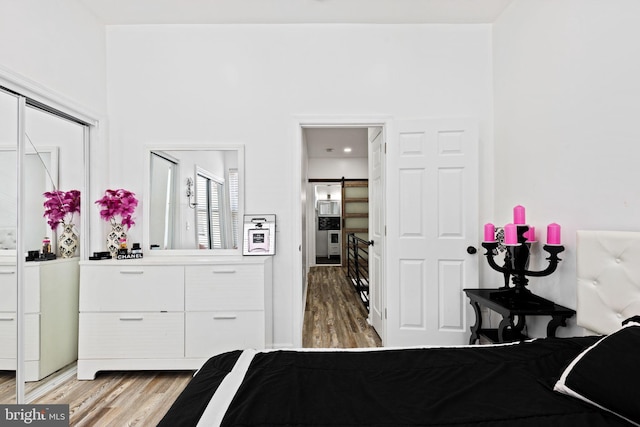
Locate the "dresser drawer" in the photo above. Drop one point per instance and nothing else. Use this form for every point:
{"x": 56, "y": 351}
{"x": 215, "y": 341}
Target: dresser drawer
{"x": 131, "y": 335}
{"x": 132, "y": 288}
{"x": 8, "y": 288}
{"x": 209, "y": 333}
{"x": 223, "y": 287}
{"x": 8, "y": 335}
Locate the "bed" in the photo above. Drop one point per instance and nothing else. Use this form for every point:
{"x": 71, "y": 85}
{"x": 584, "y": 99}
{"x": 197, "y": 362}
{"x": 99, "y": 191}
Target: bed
{"x": 580, "y": 381}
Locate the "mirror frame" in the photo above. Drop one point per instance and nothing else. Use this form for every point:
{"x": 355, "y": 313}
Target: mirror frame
{"x": 239, "y": 148}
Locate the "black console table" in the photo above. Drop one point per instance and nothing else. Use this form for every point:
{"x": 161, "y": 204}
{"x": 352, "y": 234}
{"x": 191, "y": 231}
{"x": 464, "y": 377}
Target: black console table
{"x": 514, "y": 307}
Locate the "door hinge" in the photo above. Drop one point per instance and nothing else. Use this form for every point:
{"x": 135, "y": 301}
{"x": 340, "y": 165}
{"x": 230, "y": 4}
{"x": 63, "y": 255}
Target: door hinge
{"x": 385, "y": 148}
{"x": 385, "y": 313}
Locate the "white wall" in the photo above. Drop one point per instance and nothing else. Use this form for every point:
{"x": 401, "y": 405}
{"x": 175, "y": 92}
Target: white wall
{"x": 566, "y": 113}
{"x": 58, "y": 45}
{"x": 58, "y": 49}
{"x": 305, "y": 197}
{"x": 566, "y": 90}
{"x": 249, "y": 84}
{"x": 350, "y": 168}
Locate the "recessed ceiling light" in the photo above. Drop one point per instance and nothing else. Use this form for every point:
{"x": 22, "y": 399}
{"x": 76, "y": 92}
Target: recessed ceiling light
{"x": 347, "y": 149}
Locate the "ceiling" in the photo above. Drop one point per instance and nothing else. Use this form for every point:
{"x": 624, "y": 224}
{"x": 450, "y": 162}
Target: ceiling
{"x": 331, "y": 142}
{"x": 131, "y": 12}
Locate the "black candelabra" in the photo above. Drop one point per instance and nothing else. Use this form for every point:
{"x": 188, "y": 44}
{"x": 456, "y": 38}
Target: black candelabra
{"x": 516, "y": 262}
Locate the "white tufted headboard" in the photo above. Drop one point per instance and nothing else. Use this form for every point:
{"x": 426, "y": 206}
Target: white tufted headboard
{"x": 608, "y": 270}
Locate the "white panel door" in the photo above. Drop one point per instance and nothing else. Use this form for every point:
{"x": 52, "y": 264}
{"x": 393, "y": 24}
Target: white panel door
{"x": 376, "y": 229}
{"x": 432, "y": 217}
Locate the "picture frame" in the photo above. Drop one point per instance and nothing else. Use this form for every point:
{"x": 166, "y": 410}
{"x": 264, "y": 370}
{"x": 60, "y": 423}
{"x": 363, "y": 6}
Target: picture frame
{"x": 259, "y": 235}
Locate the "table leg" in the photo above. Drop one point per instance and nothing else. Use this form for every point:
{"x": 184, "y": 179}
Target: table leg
{"x": 516, "y": 328}
{"x": 520, "y": 324}
{"x": 553, "y": 324}
{"x": 476, "y": 327}
{"x": 506, "y": 322}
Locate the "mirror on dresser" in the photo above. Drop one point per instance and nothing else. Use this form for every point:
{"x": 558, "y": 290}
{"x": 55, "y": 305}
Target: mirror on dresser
{"x": 194, "y": 199}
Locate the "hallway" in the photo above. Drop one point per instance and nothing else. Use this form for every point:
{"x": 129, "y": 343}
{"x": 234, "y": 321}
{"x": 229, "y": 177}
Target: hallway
{"x": 334, "y": 316}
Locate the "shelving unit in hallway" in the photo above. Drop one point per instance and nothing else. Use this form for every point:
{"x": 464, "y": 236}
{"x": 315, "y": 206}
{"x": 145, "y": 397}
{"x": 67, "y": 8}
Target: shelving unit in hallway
{"x": 355, "y": 210}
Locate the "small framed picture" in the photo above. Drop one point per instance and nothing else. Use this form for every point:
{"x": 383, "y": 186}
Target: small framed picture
{"x": 259, "y": 235}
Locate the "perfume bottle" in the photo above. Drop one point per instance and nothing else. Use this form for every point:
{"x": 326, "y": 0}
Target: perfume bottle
{"x": 123, "y": 247}
{"x": 259, "y": 239}
{"x": 46, "y": 245}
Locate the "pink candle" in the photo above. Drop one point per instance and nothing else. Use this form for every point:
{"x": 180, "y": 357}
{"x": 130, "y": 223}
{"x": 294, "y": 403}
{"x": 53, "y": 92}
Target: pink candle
{"x": 489, "y": 233}
{"x": 530, "y": 234}
{"x": 518, "y": 215}
{"x": 553, "y": 234}
{"x": 510, "y": 234}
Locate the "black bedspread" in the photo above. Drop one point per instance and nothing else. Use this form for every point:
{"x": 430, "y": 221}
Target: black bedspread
{"x": 191, "y": 403}
{"x": 497, "y": 386}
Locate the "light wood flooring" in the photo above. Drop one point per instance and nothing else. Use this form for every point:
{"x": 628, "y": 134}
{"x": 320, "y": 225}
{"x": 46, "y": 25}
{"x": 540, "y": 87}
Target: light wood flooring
{"x": 120, "y": 398}
{"x": 7, "y": 387}
{"x": 334, "y": 317}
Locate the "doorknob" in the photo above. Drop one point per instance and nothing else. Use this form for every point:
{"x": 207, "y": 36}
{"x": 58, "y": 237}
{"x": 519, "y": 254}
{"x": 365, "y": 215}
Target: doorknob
{"x": 471, "y": 250}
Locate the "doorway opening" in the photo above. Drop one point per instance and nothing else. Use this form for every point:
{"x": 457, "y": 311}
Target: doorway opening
{"x": 334, "y": 155}
{"x": 327, "y": 199}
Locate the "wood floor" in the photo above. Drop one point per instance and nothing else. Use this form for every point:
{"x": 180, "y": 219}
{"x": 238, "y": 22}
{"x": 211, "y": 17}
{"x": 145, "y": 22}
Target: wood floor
{"x": 7, "y": 387}
{"x": 334, "y": 317}
{"x": 119, "y": 398}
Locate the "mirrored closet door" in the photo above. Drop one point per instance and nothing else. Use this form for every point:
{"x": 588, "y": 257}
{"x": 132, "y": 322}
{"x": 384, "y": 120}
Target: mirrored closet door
{"x": 8, "y": 257}
{"x": 52, "y": 163}
{"x": 43, "y": 149}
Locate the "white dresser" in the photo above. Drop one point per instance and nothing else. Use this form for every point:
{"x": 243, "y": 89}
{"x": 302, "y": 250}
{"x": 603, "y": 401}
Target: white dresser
{"x": 8, "y": 315}
{"x": 50, "y": 318}
{"x": 171, "y": 312}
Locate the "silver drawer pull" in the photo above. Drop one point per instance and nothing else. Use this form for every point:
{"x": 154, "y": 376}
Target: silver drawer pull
{"x": 7, "y": 319}
{"x": 128, "y": 318}
{"x": 224, "y": 316}
{"x": 224, "y": 271}
{"x": 7, "y": 272}
{"x": 131, "y": 271}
